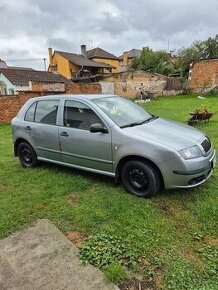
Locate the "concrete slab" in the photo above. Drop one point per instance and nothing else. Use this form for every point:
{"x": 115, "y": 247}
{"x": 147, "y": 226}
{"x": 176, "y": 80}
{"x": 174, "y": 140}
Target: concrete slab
{"x": 41, "y": 257}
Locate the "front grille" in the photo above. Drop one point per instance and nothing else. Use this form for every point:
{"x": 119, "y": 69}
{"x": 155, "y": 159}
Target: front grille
{"x": 206, "y": 144}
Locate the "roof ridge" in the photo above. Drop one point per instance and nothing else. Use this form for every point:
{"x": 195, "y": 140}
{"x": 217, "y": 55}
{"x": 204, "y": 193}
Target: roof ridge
{"x": 66, "y": 52}
{"x": 29, "y": 70}
{"x": 101, "y": 53}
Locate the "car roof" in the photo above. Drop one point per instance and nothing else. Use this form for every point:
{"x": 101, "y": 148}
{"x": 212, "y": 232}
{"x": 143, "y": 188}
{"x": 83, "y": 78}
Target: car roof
{"x": 79, "y": 97}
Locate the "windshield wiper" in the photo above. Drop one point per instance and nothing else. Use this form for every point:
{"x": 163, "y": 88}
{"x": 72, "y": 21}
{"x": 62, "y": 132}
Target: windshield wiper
{"x": 139, "y": 122}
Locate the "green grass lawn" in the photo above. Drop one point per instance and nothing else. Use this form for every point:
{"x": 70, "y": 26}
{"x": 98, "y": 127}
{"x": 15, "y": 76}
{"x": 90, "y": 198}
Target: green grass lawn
{"x": 168, "y": 241}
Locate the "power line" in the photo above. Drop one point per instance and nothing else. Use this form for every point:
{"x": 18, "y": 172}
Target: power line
{"x": 26, "y": 59}
{"x": 29, "y": 59}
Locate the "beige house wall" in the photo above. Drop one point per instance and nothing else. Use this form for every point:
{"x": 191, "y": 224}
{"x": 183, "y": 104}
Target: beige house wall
{"x": 127, "y": 84}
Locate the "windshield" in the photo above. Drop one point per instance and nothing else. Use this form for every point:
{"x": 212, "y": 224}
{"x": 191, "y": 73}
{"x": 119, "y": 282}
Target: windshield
{"x": 123, "y": 112}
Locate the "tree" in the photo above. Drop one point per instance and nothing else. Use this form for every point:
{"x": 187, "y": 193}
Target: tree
{"x": 206, "y": 49}
{"x": 161, "y": 61}
{"x": 211, "y": 48}
{"x": 154, "y": 61}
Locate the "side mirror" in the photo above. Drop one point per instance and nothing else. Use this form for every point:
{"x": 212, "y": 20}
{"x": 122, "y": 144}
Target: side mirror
{"x": 97, "y": 127}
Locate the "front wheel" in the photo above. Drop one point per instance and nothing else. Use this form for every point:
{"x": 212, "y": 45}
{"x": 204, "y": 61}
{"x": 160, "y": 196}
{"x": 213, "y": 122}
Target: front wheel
{"x": 140, "y": 178}
{"x": 27, "y": 155}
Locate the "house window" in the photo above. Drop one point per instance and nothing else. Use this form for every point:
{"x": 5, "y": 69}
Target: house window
{"x": 11, "y": 91}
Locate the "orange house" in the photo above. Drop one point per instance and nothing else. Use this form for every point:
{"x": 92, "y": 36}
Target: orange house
{"x": 76, "y": 66}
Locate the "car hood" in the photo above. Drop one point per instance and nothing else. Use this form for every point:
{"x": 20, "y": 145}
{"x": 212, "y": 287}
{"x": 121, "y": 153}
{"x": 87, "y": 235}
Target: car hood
{"x": 170, "y": 133}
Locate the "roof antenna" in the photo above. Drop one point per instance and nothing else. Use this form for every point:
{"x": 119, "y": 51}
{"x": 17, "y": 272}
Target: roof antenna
{"x": 44, "y": 59}
{"x": 91, "y": 44}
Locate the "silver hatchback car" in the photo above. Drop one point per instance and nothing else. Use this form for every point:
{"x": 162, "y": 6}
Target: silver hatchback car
{"x": 113, "y": 136}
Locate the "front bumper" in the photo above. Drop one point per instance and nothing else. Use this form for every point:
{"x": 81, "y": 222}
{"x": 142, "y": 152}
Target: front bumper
{"x": 181, "y": 173}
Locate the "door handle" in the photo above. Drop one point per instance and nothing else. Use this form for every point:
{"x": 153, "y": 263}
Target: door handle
{"x": 28, "y": 128}
{"x": 64, "y": 134}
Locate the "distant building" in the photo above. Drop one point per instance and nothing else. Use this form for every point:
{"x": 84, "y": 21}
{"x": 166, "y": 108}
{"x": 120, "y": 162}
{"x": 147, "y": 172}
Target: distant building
{"x": 16, "y": 79}
{"x": 126, "y": 59}
{"x": 76, "y": 66}
{"x": 99, "y": 55}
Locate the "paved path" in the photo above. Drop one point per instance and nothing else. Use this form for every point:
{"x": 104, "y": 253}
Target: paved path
{"x": 41, "y": 257}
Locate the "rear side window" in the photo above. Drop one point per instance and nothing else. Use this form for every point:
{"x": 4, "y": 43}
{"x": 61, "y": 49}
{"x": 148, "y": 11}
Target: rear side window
{"x": 46, "y": 112}
{"x": 30, "y": 114}
{"x": 43, "y": 112}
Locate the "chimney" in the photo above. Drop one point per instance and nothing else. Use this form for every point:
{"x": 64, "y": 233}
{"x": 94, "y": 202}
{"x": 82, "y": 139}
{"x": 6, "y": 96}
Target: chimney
{"x": 50, "y": 55}
{"x": 125, "y": 58}
{"x": 3, "y": 64}
{"x": 83, "y": 50}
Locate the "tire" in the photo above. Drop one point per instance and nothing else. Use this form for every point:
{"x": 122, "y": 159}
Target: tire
{"x": 27, "y": 155}
{"x": 140, "y": 178}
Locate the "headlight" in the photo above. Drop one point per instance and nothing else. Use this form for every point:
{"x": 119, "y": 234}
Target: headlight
{"x": 192, "y": 152}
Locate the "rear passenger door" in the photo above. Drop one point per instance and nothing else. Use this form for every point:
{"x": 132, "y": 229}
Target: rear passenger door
{"x": 41, "y": 127}
{"x": 79, "y": 146}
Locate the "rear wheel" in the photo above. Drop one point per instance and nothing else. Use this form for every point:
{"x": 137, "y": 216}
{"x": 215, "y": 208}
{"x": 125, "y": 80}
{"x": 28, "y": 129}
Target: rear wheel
{"x": 140, "y": 178}
{"x": 27, "y": 155}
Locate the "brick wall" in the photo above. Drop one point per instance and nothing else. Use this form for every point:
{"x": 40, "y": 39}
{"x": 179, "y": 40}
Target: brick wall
{"x": 46, "y": 87}
{"x": 10, "y": 105}
{"x": 78, "y": 88}
{"x": 203, "y": 74}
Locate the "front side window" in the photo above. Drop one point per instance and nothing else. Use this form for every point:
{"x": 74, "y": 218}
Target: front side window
{"x": 78, "y": 115}
{"x": 46, "y": 112}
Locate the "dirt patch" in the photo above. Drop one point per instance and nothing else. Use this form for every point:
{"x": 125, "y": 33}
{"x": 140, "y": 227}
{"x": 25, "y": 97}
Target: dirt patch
{"x": 93, "y": 188}
{"x": 73, "y": 198}
{"x": 190, "y": 255}
{"x": 211, "y": 241}
{"x": 178, "y": 215}
{"x": 134, "y": 284}
{"x": 77, "y": 238}
{"x": 159, "y": 280}
{"x": 170, "y": 210}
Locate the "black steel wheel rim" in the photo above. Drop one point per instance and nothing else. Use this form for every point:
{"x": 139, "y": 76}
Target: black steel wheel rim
{"x": 26, "y": 155}
{"x": 137, "y": 179}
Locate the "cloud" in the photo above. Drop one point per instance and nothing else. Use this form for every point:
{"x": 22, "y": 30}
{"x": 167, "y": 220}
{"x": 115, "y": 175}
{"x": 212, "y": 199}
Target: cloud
{"x": 29, "y": 27}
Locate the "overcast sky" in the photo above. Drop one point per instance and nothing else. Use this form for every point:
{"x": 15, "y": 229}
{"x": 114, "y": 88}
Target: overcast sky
{"x": 29, "y": 27}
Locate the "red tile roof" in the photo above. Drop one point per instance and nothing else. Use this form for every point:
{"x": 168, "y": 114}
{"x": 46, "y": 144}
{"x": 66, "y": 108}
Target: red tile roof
{"x": 21, "y": 77}
{"x": 81, "y": 60}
